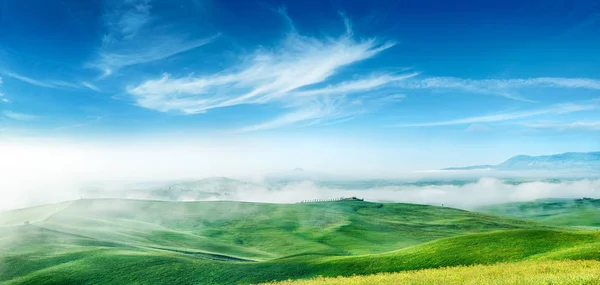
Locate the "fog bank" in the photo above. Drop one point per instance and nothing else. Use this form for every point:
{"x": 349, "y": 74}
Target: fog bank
{"x": 486, "y": 191}
{"x": 36, "y": 174}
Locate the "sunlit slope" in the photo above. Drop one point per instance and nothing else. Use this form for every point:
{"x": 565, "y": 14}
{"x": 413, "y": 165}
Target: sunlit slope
{"x": 125, "y": 241}
{"x": 263, "y": 231}
{"x": 563, "y": 212}
{"x": 523, "y": 273}
{"x": 110, "y": 265}
{"x": 31, "y": 215}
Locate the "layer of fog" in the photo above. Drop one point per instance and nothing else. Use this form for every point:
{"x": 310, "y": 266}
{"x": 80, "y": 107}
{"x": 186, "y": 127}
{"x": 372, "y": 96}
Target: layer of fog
{"x": 43, "y": 173}
{"x": 485, "y": 191}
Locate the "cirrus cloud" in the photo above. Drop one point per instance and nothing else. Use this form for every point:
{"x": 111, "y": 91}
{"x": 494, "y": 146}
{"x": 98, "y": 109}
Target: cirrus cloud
{"x": 288, "y": 74}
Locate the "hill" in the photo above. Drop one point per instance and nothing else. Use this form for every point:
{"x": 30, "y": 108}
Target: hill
{"x": 112, "y": 241}
{"x": 566, "y": 272}
{"x": 562, "y": 212}
{"x": 343, "y": 227}
{"x": 109, "y": 264}
{"x": 570, "y": 161}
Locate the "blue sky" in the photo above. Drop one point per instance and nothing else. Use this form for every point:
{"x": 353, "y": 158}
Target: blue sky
{"x": 456, "y": 83}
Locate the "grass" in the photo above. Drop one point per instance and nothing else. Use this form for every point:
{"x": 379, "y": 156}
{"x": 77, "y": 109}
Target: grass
{"x": 525, "y": 273}
{"x": 583, "y": 213}
{"x": 263, "y": 231}
{"x": 98, "y": 264}
{"x": 128, "y": 241}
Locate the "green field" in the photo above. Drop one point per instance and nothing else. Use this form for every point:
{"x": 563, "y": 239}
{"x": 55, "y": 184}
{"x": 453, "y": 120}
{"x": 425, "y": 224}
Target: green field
{"x": 566, "y": 272}
{"x": 151, "y": 242}
{"x": 583, "y": 213}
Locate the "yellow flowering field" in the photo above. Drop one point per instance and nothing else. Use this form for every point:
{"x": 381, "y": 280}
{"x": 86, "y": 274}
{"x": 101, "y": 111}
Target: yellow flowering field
{"x": 527, "y": 272}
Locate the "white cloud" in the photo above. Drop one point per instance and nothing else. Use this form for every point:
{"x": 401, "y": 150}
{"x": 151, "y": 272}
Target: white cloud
{"x": 357, "y": 85}
{"x": 60, "y": 167}
{"x": 271, "y": 74}
{"x": 486, "y": 191}
{"x": 577, "y": 125}
{"x": 60, "y": 83}
{"x": 90, "y": 86}
{"x": 135, "y": 18}
{"x": 390, "y": 99}
{"x": 156, "y": 47}
{"x": 29, "y": 80}
{"x": 327, "y": 109}
{"x": 478, "y": 128}
{"x": 586, "y": 83}
{"x": 2, "y": 99}
{"x": 134, "y": 37}
{"x": 55, "y": 84}
{"x": 499, "y": 87}
{"x": 283, "y": 74}
{"x": 20, "y": 116}
{"x": 552, "y": 110}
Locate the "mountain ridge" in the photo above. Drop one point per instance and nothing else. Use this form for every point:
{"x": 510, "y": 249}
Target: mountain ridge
{"x": 585, "y": 161}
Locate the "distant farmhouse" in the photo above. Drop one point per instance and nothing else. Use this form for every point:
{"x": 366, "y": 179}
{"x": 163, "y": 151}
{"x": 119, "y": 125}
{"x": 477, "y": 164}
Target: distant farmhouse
{"x": 333, "y": 200}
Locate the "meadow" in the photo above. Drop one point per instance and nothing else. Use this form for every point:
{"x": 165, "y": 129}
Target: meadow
{"x": 566, "y": 272}
{"x": 110, "y": 241}
{"x": 583, "y": 212}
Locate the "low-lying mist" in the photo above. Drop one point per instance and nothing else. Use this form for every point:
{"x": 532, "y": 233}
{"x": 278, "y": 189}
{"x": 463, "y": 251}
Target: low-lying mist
{"x": 485, "y": 191}
{"x": 37, "y": 174}
{"x": 466, "y": 195}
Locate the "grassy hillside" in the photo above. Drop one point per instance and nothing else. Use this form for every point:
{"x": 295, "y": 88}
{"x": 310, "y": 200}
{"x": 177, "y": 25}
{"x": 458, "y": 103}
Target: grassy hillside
{"x": 109, "y": 264}
{"x": 127, "y": 241}
{"x": 563, "y": 212}
{"x": 263, "y": 231}
{"x": 524, "y": 273}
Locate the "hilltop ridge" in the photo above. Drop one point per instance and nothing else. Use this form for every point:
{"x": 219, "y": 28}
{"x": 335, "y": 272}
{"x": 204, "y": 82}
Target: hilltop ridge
{"x": 569, "y": 161}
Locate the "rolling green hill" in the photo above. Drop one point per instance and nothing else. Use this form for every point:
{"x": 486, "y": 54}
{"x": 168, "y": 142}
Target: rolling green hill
{"x": 562, "y": 212}
{"x": 259, "y": 230}
{"x": 566, "y": 272}
{"x": 150, "y": 242}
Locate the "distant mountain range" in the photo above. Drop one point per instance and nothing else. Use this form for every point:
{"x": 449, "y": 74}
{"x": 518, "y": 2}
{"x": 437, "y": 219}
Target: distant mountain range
{"x": 570, "y": 161}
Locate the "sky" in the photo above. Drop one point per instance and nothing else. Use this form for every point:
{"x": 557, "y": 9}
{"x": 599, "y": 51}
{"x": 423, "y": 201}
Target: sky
{"x": 202, "y": 87}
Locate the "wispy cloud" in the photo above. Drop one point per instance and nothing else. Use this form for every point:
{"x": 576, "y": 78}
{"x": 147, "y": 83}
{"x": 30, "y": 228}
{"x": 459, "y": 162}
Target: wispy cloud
{"x": 478, "y": 128}
{"x": 134, "y": 37}
{"x": 370, "y": 83}
{"x": 552, "y": 110}
{"x": 3, "y": 99}
{"x": 30, "y": 80}
{"x": 64, "y": 84}
{"x": 500, "y": 87}
{"x": 55, "y": 84}
{"x": 298, "y": 62}
{"x": 285, "y": 73}
{"x": 117, "y": 55}
{"x": 389, "y": 99}
{"x": 20, "y": 116}
{"x": 562, "y": 126}
{"x": 133, "y": 19}
{"x": 90, "y": 86}
{"x": 317, "y": 110}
